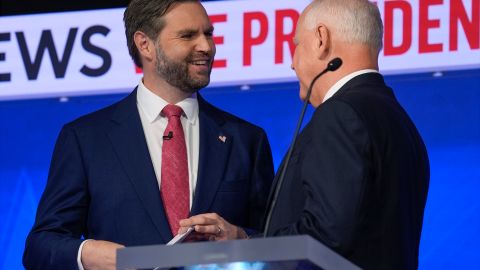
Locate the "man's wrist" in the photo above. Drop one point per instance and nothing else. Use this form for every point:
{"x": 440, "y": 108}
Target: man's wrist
{"x": 79, "y": 255}
{"x": 241, "y": 234}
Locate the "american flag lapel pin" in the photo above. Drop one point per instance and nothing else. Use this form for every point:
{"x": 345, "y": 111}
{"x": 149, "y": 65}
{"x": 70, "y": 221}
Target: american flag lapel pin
{"x": 222, "y": 138}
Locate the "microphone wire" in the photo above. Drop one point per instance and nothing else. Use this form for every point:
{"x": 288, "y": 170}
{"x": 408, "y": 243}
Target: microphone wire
{"x": 332, "y": 66}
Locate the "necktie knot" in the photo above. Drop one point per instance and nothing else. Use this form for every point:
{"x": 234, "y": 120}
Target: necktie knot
{"x": 172, "y": 110}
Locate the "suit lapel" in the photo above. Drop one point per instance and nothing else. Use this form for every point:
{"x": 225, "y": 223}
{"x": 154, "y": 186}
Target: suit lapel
{"x": 128, "y": 140}
{"x": 215, "y": 146}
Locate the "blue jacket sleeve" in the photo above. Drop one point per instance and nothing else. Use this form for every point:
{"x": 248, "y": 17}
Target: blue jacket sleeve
{"x": 55, "y": 238}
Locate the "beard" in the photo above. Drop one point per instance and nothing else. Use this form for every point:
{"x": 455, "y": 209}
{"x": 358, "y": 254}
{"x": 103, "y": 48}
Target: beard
{"x": 176, "y": 73}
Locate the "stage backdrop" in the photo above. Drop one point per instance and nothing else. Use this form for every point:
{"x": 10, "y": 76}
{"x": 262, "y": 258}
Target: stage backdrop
{"x": 51, "y": 73}
{"x": 41, "y": 57}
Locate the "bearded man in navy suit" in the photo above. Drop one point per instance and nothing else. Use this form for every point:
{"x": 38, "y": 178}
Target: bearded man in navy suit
{"x": 104, "y": 189}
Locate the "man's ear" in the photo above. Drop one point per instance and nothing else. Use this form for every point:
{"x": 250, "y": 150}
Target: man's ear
{"x": 145, "y": 45}
{"x": 323, "y": 41}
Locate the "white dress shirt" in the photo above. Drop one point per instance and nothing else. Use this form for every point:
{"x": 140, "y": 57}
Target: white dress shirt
{"x": 334, "y": 89}
{"x": 154, "y": 124}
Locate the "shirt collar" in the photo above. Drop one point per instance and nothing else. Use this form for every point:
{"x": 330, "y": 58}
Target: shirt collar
{"x": 152, "y": 104}
{"x": 334, "y": 89}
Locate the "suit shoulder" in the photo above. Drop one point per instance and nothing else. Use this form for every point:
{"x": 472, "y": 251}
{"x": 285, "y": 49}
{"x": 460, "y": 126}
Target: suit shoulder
{"x": 97, "y": 118}
{"x": 366, "y": 95}
{"x": 337, "y": 108}
{"x": 231, "y": 120}
{"x": 366, "y": 99}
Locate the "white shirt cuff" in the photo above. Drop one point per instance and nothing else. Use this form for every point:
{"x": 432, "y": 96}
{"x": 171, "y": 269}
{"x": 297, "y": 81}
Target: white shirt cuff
{"x": 79, "y": 256}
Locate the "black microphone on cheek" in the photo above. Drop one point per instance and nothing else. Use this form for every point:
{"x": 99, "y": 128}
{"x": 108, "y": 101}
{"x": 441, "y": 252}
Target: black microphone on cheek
{"x": 168, "y": 136}
{"x": 333, "y": 65}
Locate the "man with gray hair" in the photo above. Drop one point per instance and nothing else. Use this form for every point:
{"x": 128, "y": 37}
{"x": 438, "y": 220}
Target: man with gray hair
{"x": 359, "y": 173}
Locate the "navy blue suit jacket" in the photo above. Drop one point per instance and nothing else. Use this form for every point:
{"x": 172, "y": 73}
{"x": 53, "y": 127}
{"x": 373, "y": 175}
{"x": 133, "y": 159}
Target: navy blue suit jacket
{"x": 102, "y": 184}
{"x": 358, "y": 178}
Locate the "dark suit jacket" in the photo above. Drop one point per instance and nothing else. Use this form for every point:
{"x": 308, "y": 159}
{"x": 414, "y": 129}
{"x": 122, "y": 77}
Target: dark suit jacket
{"x": 358, "y": 178}
{"x": 102, "y": 184}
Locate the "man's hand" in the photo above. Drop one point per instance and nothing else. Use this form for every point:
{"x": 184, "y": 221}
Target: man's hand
{"x": 213, "y": 226}
{"x": 99, "y": 255}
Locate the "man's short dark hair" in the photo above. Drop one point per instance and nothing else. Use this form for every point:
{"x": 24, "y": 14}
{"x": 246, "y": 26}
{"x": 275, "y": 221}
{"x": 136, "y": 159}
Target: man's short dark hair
{"x": 145, "y": 16}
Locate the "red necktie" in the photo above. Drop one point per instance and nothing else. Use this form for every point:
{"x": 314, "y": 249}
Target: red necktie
{"x": 174, "y": 187}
